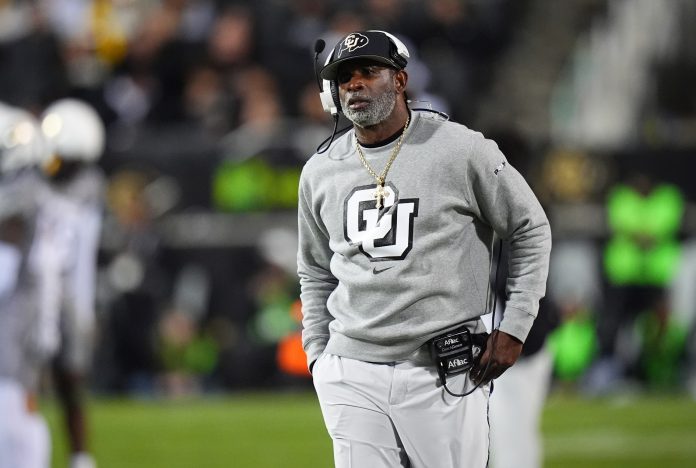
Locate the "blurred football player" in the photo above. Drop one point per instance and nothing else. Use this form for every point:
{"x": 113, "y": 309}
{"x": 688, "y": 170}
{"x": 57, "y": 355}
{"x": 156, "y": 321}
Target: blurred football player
{"x": 27, "y": 340}
{"x": 67, "y": 242}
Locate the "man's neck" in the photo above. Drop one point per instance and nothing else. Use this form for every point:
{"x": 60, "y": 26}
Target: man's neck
{"x": 383, "y": 130}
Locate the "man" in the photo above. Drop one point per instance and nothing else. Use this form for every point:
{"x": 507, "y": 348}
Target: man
{"x": 67, "y": 243}
{"x": 397, "y": 220}
{"x": 24, "y": 347}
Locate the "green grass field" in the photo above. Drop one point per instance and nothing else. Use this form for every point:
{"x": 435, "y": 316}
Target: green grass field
{"x": 278, "y": 430}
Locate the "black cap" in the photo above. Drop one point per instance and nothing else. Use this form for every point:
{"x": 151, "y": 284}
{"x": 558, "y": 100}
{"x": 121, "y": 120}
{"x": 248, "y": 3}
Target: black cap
{"x": 371, "y": 45}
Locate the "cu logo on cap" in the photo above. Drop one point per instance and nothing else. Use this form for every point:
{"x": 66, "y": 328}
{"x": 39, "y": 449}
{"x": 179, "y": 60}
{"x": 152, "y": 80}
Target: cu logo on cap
{"x": 352, "y": 42}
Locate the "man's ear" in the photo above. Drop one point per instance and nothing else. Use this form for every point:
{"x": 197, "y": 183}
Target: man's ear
{"x": 401, "y": 80}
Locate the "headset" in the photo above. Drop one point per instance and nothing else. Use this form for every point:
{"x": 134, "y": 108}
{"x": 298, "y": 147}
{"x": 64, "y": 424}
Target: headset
{"x": 328, "y": 89}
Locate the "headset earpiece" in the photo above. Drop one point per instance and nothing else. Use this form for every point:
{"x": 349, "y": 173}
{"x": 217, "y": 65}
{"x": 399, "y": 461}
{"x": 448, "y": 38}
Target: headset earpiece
{"x": 399, "y": 51}
{"x": 329, "y": 98}
{"x": 329, "y": 92}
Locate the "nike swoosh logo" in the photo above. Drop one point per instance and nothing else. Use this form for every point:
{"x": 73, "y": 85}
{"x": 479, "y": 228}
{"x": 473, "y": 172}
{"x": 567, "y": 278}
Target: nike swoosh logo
{"x": 376, "y": 271}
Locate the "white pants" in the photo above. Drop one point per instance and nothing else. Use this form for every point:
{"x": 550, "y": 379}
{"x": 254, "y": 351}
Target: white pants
{"x": 516, "y": 405}
{"x": 24, "y": 437}
{"x": 398, "y": 415}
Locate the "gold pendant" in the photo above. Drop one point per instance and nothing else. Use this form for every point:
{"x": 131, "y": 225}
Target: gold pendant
{"x": 380, "y": 194}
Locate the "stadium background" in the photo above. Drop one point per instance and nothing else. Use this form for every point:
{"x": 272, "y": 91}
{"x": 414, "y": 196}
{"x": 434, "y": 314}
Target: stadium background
{"x": 212, "y": 108}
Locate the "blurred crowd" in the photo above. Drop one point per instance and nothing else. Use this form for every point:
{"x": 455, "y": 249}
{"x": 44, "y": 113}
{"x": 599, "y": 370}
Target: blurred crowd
{"x": 229, "y": 69}
{"x": 211, "y": 107}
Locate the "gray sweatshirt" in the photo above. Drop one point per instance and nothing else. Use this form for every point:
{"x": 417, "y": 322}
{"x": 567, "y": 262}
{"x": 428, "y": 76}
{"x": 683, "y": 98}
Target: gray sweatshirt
{"x": 377, "y": 284}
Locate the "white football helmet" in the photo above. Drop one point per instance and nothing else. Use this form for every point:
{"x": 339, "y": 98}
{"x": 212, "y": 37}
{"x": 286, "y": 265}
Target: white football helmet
{"x": 74, "y": 130}
{"x": 22, "y": 143}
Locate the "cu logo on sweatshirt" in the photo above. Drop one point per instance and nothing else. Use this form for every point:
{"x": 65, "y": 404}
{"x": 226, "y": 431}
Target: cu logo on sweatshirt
{"x": 385, "y": 234}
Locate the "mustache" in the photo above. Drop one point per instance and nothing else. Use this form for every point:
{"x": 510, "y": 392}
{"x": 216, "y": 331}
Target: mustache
{"x": 353, "y": 97}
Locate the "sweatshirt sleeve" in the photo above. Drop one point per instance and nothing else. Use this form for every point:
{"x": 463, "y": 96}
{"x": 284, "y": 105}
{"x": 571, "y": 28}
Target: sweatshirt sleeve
{"x": 503, "y": 199}
{"x": 313, "y": 268}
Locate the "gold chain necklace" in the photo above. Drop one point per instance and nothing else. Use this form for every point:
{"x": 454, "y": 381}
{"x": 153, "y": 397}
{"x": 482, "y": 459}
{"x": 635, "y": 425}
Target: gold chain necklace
{"x": 380, "y": 192}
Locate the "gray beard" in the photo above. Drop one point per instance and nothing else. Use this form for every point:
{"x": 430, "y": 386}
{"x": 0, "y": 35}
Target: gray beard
{"x": 375, "y": 112}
